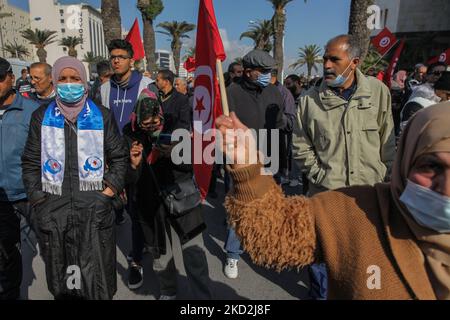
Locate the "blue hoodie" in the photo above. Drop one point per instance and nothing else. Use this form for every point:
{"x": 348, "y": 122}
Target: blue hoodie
{"x": 121, "y": 101}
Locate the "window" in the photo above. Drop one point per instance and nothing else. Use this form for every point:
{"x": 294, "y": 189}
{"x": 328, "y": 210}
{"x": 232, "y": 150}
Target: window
{"x": 63, "y": 30}
{"x": 64, "y": 49}
{"x": 62, "y": 20}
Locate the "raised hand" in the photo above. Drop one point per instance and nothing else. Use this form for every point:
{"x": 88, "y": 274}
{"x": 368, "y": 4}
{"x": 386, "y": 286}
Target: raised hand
{"x": 136, "y": 154}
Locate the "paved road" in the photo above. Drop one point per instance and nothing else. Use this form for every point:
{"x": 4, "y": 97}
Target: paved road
{"x": 253, "y": 282}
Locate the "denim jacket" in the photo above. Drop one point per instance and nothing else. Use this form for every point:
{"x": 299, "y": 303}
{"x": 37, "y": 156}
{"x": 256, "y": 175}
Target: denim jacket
{"x": 14, "y": 127}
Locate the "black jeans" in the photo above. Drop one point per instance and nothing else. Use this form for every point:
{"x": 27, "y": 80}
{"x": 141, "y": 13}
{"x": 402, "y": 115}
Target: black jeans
{"x": 10, "y": 257}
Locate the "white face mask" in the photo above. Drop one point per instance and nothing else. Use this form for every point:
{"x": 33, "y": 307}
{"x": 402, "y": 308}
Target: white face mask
{"x": 430, "y": 209}
{"x": 340, "y": 79}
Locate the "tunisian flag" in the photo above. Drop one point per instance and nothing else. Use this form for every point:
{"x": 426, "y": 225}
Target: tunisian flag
{"x": 390, "y": 71}
{"x": 384, "y": 41}
{"x": 134, "y": 38}
{"x": 207, "y": 101}
{"x": 443, "y": 57}
{"x": 189, "y": 64}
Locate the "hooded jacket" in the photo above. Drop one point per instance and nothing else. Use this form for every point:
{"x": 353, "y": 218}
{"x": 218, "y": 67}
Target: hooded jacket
{"x": 121, "y": 101}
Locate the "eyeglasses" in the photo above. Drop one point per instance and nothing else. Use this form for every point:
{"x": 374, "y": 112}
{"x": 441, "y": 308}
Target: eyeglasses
{"x": 120, "y": 57}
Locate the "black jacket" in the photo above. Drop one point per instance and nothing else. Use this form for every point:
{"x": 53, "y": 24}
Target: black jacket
{"x": 76, "y": 228}
{"x": 257, "y": 108}
{"x": 149, "y": 208}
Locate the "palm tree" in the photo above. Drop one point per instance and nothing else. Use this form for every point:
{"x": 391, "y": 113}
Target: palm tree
{"x": 71, "y": 43}
{"x": 279, "y": 23}
{"x": 177, "y": 31}
{"x": 358, "y": 25}
{"x": 40, "y": 39}
{"x": 3, "y": 15}
{"x": 309, "y": 55}
{"x": 112, "y": 22}
{"x": 91, "y": 59}
{"x": 373, "y": 60}
{"x": 260, "y": 33}
{"x": 16, "y": 50}
{"x": 150, "y": 9}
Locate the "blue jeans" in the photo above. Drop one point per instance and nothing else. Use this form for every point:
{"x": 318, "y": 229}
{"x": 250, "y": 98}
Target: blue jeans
{"x": 233, "y": 245}
{"x": 319, "y": 281}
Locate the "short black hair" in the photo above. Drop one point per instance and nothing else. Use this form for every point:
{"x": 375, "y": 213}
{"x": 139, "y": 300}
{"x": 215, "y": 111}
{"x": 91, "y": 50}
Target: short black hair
{"x": 121, "y": 44}
{"x": 294, "y": 78}
{"x": 23, "y": 70}
{"x": 232, "y": 65}
{"x": 167, "y": 75}
{"x": 103, "y": 68}
{"x": 434, "y": 65}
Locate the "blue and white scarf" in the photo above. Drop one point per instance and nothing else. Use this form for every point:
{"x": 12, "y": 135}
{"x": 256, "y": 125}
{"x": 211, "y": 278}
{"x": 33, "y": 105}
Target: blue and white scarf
{"x": 90, "y": 149}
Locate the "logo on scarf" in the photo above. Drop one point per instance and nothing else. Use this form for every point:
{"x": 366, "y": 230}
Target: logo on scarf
{"x": 93, "y": 164}
{"x": 52, "y": 166}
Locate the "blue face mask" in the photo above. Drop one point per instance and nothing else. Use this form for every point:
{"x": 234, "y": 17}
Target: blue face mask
{"x": 428, "y": 208}
{"x": 70, "y": 92}
{"x": 340, "y": 79}
{"x": 264, "y": 79}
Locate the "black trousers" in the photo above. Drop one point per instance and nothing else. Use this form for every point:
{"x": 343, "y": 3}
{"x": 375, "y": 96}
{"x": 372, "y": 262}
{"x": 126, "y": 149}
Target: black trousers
{"x": 10, "y": 257}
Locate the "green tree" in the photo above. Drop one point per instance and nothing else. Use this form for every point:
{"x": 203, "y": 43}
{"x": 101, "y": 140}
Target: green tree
{"x": 373, "y": 60}
{"x": 150, "y": 9}
{"x": 176, "y": 31}
{"x": 91, "y": 59}
{"x": 16, "y": 50}
{"x": 112, "y": 22}
{"x": 261, "y": 33}
{"x": 71, "y": 43}
{"x": 279, "y": 24}
{"x": 310, "y": 56}
{"x": 189, "y": 53}
{"x": 40, "y": 39}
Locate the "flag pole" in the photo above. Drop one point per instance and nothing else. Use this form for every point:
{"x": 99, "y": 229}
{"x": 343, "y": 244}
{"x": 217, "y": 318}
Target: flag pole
{"x": 223, "y": 90}
{"x": 385, "y": 54}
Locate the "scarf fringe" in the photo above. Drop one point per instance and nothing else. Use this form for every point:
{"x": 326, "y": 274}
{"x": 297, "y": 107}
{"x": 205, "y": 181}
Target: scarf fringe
{"x": 52, "y": 188}
{"x": 91, "y": 185}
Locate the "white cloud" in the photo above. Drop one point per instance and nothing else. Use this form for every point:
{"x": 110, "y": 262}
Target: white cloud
{"x": 233, "y": 48}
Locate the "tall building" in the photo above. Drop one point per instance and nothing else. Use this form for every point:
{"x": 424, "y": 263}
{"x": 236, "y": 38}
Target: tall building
{"x": 164, "y": 60}
{"x": 425, "y": 25}
{"x": 78, "y": 20}
{"x": 11, "y": 26}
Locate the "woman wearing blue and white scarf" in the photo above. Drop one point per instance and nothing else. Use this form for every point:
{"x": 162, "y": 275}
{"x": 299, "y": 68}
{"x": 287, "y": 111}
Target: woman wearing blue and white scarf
{"x": 74, "y": 164}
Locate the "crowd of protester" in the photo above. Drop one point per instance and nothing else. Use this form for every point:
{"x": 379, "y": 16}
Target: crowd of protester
{"x": 372, "y": 164}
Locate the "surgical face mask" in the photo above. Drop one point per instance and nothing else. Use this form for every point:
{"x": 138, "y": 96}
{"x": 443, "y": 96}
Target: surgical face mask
{"x": 430, "y": 209}
{"x": 340, "y": 79}
{"x": 264, "y": 79}
{"x": 70, "y": 92}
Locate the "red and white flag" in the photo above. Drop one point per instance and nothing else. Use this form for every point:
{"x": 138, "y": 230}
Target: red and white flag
{"x": 384, "y": 41}
{"x": 189, "y": 64}
{"x": 207, "y": 100}
{"x": 135, "y": 39}
{"x": 443, "y": 57}
{"x": 390, "y": 71}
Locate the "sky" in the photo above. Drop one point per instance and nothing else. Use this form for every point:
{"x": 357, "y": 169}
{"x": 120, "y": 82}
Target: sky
{"x": 313, "y": 22}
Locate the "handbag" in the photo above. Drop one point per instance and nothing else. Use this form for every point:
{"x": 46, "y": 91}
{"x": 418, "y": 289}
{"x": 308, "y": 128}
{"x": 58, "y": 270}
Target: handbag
{"x": 179, "y": 198}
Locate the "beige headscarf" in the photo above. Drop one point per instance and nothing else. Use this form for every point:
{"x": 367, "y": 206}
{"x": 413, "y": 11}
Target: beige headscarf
{"x": 427, "y": 132}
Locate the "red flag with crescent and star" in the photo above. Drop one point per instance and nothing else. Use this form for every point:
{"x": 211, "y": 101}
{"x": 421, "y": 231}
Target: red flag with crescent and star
{"x": 384, "y": 41}
{"x": 207, "y": 101}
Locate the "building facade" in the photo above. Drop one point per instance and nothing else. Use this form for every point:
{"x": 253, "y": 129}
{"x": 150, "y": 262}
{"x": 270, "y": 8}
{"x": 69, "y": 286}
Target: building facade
{"x": 11, "y": 26}
{"x": 79, "y": 20}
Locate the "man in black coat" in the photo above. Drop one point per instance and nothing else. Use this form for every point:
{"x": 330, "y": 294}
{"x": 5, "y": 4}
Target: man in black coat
{"x": 159, "y": 228}
{"x": 259, "y": 105}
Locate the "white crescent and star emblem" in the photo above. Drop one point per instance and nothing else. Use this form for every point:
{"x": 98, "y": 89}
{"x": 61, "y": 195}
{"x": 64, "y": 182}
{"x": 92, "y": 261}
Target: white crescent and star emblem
{"x": 443, "y": 57}
{"x": 385, "y": 42}
{"x": 203, "y": 96}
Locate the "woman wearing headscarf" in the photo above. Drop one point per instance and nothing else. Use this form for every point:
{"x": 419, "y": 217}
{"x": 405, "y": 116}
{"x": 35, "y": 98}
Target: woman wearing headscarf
{"x": 151, "y": 170}
{"x": 74, "y": 164}
{"x": 389, "y": 241}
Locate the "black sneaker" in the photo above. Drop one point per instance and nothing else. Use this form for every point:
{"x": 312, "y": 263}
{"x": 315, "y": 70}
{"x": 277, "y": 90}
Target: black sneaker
{"x": 135, "y": 276}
